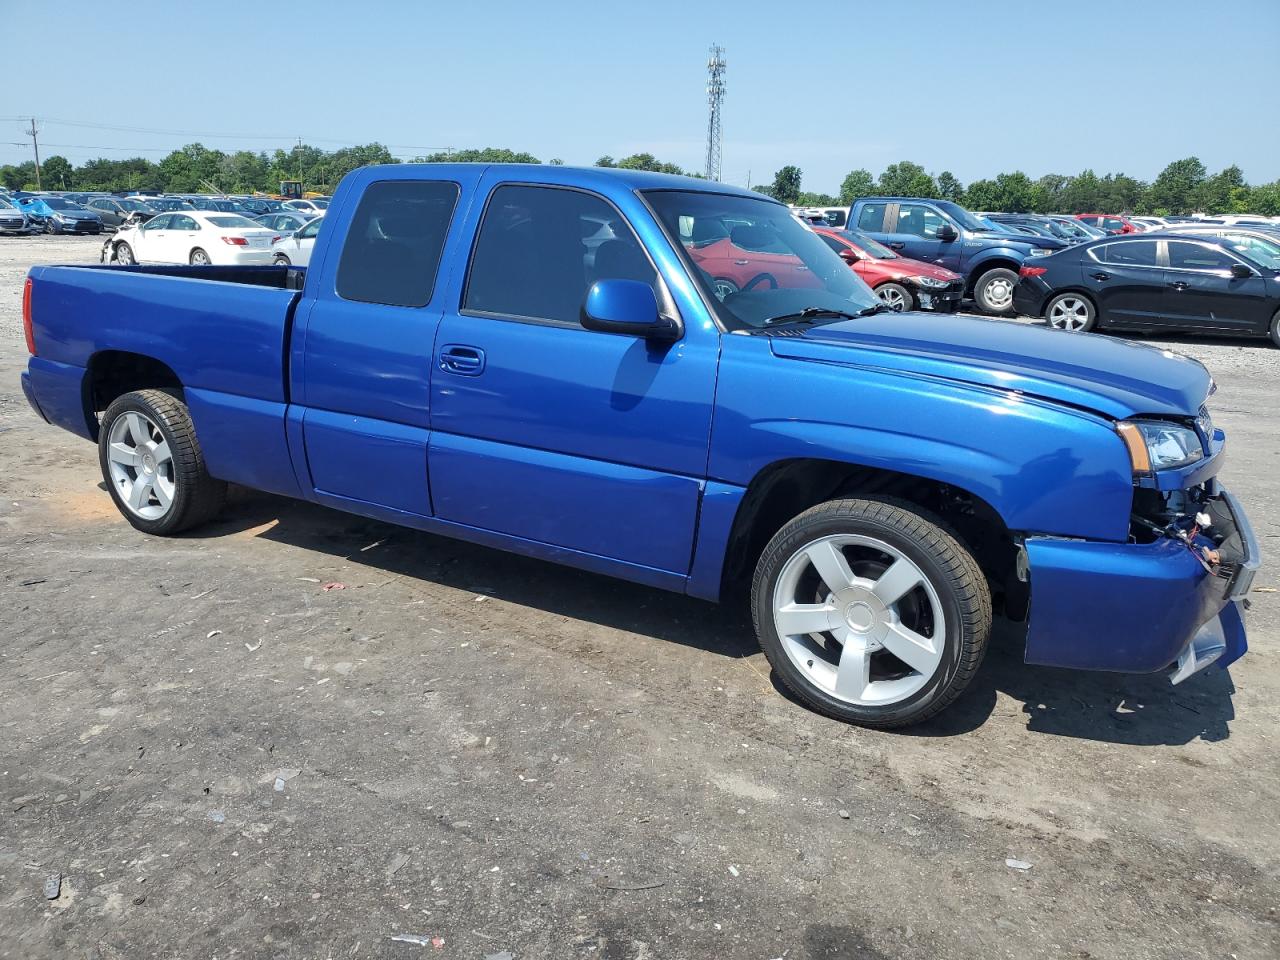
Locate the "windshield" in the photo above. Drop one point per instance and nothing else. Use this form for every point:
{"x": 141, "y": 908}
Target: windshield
{"x": 234, "y": 223}
{"x": 320, "y": 204}
{"x": 873, "y": 248}
{"x": 754, "y": 260}
{"x": 959, "y": 214}
{"x": 137, "y": 206}
{"x": 57, "y": 203}
{"x": 164, "y": 204}
{"x": 1263, "y": 252}
{"x": 5, "y": 204}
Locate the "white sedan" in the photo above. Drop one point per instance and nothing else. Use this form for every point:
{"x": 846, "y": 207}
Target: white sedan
{"x": 195, "y": 237}
{"x": 308, "y": 208}
{"x": 295, "y": 248}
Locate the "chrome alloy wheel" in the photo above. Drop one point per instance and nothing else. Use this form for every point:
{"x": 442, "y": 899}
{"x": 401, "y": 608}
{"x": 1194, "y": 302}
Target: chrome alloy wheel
{"x": 141, "y": 465}
{"x": 1069, "y": 313}
{"x": 999, "y": 294}
{"x": 892, "y": 297}
{"x": 859, "y": 620}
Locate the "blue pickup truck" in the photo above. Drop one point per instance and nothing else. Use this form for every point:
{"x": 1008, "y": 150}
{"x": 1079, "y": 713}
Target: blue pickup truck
{"x": 538, "y": 359}
{"x": 945, "y": 233}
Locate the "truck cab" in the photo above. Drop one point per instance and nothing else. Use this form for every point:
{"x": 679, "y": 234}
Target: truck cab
{"x": 942, "y": 232}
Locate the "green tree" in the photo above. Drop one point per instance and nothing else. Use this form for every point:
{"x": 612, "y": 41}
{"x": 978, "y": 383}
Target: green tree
{"x": 1177, "y": 188}
{"x": 1052, "y": 186}
{"x": 807, "y": 199}
{"x": 1223, "y": 192}
{"x": 1264, "y": 199}
{"x": 556, "y": 162}
{"x": 1122, "y": 194}
{"x": 907, "y": 179}
{"x": 56, "y": 173}
{"x": 647, "y": 161}
{"x": 949, "y": 187}
{"x": 786, "y": 184}
{"x": 486, "y": 155}
{"x": 1082, "y": 194}
{"x": 606, "y": 161}
{"x": 857, "y": 183}
{"x": 20, "y": 176}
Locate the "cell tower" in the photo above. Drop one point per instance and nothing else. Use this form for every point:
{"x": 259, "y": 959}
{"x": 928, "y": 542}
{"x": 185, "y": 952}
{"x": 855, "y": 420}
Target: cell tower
{"x": 715, "y": 100}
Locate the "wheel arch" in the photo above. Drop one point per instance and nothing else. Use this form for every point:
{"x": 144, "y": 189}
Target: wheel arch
{"x": 112, "y": 373}
{"x": 785, "y": 488}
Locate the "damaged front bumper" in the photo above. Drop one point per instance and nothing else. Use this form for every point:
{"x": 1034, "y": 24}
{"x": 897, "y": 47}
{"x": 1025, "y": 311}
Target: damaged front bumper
{"x": 1142, "y": 607}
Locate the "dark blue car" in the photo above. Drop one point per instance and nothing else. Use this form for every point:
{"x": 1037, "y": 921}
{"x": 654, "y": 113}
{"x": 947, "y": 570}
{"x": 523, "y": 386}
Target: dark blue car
{"x": 59, "y": 215}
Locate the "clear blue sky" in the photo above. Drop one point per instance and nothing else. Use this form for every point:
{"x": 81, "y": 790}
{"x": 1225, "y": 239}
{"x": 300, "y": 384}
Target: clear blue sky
{"x": 976, "y": 88}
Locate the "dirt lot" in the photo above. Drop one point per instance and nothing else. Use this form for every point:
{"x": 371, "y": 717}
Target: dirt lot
{"x": 222, "y": 759}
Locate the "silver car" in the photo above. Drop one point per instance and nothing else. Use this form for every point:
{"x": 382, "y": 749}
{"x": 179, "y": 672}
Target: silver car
{"x": 12, "y": 220}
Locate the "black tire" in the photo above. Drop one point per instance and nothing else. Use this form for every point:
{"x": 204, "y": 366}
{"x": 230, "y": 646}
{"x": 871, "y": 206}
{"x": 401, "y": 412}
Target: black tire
{"x": 199, "y": 258}
{"x": 995, "y": 280}
{"x": 281, "y": 260}
{"x": 198, "y": 497}
{"x": 891, "y": 293}
{"x": 124, "y": 254}
{"x": 1081, "y": 318}
{"x": 50, "y": 227}
{"x": 951, "y": 570}
{"x": 1275, "y": 329}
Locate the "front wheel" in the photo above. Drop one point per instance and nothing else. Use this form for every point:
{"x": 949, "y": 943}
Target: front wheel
{"x": 896, "y": 297}
{"x": 153, "y": 464}
{"x": 994, "y": 290}
{"x": 124, "y": 253}
{"x": 281, "y": 260}
{"x": 1072, "y": 312}
{"x": 199, "y": 258}
{"x": 1275, "y": 329}
{"x": 50, "y": 227}
{"x": 871, "y": 612}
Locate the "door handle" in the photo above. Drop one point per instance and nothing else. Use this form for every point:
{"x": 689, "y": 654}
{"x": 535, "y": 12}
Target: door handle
{"x": 896, "y": 244}
{"x": 1100, "y": 276}
{"x": 462, "y": 360}
{"x": 741, "y": 263}
{"x": 1179, "y": 284}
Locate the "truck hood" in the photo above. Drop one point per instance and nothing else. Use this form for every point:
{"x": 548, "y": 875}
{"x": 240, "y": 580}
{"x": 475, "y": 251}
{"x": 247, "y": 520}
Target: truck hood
{"x": 1030, "y": 242}
{"x": 1115, "y": 378}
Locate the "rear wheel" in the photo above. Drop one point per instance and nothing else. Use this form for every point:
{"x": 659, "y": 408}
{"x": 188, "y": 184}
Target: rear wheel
{"x": 1071, "y": 311}
{"x": 281, "y": 260}
{"x": 1275, "y": 329}
{"x": 124, "y": 253}
{"x": 994, "y": 290}
{"x": 896, "y": 297}
{"x": 199, "y": 258}
{"x": 871, "y": 612}
{"x": 153, "y": 464}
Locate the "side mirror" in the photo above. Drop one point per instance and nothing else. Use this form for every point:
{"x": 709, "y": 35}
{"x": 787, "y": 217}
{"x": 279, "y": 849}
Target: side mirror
{"x": 947, "y": 233}
{"x": 849, "y": 255}
{"x": 1240, "y": 272}
{"x": 630, "y": 307}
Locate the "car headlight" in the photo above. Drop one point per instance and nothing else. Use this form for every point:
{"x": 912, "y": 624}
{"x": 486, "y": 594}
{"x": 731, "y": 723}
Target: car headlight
{"x": 1157, "y": 445}
{"x": 930, "y": 282}
{"x": 1041, "y": 251}
{"x": 60, "y": 218}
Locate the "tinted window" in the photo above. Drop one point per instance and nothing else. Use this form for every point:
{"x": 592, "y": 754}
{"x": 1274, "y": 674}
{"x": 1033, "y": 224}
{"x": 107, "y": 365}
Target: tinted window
{"x": 232, "y": 222}
{"x": 1138, "y": 253}
{"x": 531, "y": 259}
{"x": 837, "y": 218}
{"x": 918, "y": 220}
{"x": 394, "y": 243}
{"x": 871, "y": 217}
{"x": 1192, "y": 256}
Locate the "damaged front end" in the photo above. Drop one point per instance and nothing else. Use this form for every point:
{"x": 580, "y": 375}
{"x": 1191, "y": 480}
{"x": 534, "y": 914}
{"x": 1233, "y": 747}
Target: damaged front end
{"x": 1171, "y": 597}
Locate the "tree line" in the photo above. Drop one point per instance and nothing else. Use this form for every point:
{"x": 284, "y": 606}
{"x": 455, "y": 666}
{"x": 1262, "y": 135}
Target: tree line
{"x": 1184, "y": 186}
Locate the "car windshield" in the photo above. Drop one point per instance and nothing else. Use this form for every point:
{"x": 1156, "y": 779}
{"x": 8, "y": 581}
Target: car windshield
{"x": 137, "y": 206}
{"x": 57, "y": 203}
{"x": 1263, "y": 252}
{"x": 5, "y": 204}
{"x": 872, "y": 248}
{"x": 959, "y": 214}
{"x": 163, "y": 204}
{"x": 320, "y": 204}
{"x": 756, "y": 262}
{"x": 234, "y": 223}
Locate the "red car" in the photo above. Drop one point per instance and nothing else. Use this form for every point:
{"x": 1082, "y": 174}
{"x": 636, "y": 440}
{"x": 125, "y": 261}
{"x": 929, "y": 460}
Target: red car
{"x": 1110, "y": 222}
{"x": 900, "y": 282}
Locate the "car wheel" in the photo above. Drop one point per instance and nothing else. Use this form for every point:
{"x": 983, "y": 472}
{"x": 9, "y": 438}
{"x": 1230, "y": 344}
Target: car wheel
{"x": 1275, "y": 329}
{"x": 199, "y": 258}
{"x": 281, "y": 260}
{"x": 895, "y": 296}
{"x": 871, "y": 612}
{"x": 153, "y": 464}
{"x": 50, "y": 227}
{"x": 1071, "y": 311}
{"x": 994, "y": 290}
{"x": 124, "y": 253}
{"x": 723, "y": 287}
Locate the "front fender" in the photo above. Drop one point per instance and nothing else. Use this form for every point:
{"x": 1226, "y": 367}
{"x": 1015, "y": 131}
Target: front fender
{"x": 1044, "y": 468}
{"x": 986, "y": 258}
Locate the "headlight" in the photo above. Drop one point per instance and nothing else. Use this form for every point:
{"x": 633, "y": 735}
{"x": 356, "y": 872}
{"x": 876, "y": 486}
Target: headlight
{"x": 930, "y": 282}
{"x": 1041, "y": 251}
{"x": 1156, "y": 445}
{"x": 60, "y": 218}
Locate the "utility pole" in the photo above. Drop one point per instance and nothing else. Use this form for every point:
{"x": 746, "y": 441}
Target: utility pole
{"x": 715, "y": 100}
{"x": 33, "y": 133}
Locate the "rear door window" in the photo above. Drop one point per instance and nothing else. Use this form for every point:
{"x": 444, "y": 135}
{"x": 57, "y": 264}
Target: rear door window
{"x": 1135, "y": 253}
{"x": 535, "y": 255}
{"x": 392, "y": 251}
{"x": 1195, "y": 256}
{"x": 871, "y": 217}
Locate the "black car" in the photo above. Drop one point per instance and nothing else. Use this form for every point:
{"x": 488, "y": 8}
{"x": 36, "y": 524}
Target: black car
{"x": 1167, "y": 282}
{"x": 261, "y": 206}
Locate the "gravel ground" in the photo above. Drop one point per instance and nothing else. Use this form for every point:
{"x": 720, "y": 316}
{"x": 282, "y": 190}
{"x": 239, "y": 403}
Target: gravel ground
{"x": 219, "y": 758}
